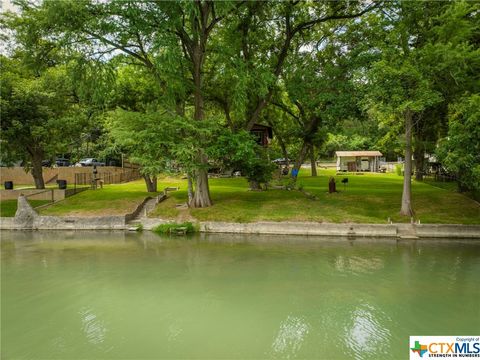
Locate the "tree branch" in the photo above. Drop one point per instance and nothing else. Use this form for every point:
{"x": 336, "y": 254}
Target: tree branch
{"x": 308, "y": 24}
{"x": 120, "y": 47}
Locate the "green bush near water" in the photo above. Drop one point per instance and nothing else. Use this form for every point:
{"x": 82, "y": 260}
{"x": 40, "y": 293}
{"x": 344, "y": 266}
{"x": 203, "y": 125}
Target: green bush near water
{"x": 169, "y": 228}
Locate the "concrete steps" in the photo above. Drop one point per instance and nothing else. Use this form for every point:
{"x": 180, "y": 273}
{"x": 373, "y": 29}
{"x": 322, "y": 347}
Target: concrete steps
{"x": 147, "y": 207}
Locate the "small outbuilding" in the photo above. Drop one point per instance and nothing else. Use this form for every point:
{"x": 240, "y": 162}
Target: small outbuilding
{"x": 355, "y": 161}
{"x": 263, "y": 134}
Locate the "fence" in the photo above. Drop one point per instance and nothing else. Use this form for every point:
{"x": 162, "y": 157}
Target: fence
{"x": 441, "y": 177}
{"x": 87, "y": 178}
{"x": 116, "y": 174}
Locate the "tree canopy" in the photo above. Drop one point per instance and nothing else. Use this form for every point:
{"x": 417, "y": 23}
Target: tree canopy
{"x": 178, "y": 85}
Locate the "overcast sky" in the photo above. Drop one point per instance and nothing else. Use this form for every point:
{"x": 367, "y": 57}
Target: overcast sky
{"x": 6, "y": 5}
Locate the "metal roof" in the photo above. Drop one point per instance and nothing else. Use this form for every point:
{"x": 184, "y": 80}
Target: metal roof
{"x": 357, "y": 153}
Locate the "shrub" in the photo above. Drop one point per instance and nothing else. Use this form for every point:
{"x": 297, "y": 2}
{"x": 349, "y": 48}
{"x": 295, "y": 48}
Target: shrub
{"x": 398, "y": 169}
{"x": 175, "y": 228}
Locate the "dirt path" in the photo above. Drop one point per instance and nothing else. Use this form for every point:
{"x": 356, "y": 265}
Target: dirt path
{"x": 184, "y": 214}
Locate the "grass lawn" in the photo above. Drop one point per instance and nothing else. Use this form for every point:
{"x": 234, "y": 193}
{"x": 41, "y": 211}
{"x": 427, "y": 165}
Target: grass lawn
{"x": 117, "y": 199}
{"x": 369, "y": 198}
{"x": 8, "y": 208}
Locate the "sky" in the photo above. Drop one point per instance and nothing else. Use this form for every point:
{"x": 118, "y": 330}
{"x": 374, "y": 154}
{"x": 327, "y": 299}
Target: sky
{"x": 6, "y": 5}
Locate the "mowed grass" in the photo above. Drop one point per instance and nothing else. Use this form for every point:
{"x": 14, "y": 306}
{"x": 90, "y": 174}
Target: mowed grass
{"x": 369, "y": 198}
{"x": 8, "y": 208}
{"x": 117, "y": 199}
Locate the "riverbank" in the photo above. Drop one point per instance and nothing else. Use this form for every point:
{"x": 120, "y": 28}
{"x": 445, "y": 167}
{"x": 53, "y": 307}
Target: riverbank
{"x": 367, "y": 199}
{"x": 399, "y": 231}
{"x": 27, "y": 218}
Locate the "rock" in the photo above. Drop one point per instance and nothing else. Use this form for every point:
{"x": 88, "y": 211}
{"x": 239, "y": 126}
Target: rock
{"x": 25, "y": 215}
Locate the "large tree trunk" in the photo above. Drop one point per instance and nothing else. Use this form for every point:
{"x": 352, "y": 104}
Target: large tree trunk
{"x": 313, "y": 163}
{"x": 37, "y": 171}
{"x": 201, "y": 197}
{"x": 254, "y": 185}
{"x": 284, "y": 152}
{"x": 301, "y": 156}
{"x": 151, "y": 182}
{"x": 406, "y": 208}
{"x": 189, "y": 187}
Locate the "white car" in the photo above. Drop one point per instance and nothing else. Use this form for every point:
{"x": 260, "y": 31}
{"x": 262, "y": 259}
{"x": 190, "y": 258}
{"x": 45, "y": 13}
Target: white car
{"x": 89, "y": 162}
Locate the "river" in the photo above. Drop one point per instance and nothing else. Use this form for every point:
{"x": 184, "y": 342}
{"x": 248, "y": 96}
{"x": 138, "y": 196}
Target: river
{"x": 115, "y": 295}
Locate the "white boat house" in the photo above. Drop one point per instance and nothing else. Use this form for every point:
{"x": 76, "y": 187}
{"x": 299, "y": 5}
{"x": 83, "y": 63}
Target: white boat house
{"x": 354, "y": 161}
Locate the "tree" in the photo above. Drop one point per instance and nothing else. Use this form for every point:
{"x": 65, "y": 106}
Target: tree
{"x": 451, "y": 61}
{"x": 253, "y": 49}
{"x": 42, "y": 111}
{"x": 148, "y": 138}
{"x": 400, "y": 89}
{"x": 460, "y": 151}
{"x": 169, "y": 39}
{"x": 39, "y": 116}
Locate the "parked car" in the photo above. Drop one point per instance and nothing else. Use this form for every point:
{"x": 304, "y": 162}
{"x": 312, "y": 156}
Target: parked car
{"x": 281, "y": 161}
{"x": 90, "y": 162}
{"x": 58, "y": 162}
{"x": 62, "y": 162}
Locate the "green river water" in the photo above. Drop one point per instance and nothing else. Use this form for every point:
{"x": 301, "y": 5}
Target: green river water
{"x": 111, "y": 295}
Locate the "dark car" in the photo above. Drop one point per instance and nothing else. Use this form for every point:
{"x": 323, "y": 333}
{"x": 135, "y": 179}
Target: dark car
{"x": 62, "y": 162}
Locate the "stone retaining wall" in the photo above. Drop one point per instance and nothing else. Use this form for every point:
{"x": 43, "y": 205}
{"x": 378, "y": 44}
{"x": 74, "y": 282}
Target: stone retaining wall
{"x": 65, "y": 223}
{"x": 350, "y": 230}
{"x": 301, "y": 228}
{"x": 448, "y": 231}
{"x": 268, "y": 228}
{"x": 79, "y": 223}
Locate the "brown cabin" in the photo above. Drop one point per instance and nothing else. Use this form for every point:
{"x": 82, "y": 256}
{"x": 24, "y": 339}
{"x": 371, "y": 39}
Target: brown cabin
{"x": 263, "y": 134}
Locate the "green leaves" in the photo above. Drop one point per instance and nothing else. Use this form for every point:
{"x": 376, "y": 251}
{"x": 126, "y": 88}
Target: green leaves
{"x": 460, "y": 151}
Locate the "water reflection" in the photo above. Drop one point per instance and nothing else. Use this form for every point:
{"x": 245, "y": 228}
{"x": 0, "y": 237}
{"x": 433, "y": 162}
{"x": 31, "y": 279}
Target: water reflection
{"x": 290, "y": 337}
{"x": 357, "y": 265}
{"x": 93, "y": 328}
{"x": 367, "y": 335}
{"x": 140, "y": 296}
{"x": 174, "y": 331}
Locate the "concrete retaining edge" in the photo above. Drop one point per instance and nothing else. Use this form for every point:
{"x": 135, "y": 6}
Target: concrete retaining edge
{"x": 65, "y": 223}
{"x": 406, "y": 231}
